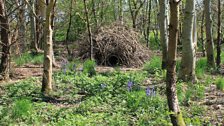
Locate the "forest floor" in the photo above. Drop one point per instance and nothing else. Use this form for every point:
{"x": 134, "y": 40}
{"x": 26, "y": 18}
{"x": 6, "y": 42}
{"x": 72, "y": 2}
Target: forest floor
{"x": 213, "y": 100}
{"x": 201, "y": 103}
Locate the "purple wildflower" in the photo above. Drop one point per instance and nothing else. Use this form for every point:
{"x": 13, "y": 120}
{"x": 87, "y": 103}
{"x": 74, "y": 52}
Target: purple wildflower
{"x": 130, "y": 84}
{"x": 148, "y": 91}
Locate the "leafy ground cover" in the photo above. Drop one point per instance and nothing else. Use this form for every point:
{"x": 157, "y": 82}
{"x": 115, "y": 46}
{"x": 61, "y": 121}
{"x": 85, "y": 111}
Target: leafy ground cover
{"x": 83, "y": 96}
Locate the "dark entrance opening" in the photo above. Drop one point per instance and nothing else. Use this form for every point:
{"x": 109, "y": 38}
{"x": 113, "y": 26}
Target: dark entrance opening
{"x": 112, "y": 60}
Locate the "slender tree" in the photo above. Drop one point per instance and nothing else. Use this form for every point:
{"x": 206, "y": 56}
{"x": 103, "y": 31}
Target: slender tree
{"x": 218, "y": 58}
{"x": 209, "y": 43}
{"x": 33, "y": 44}
{"x": 94, "y": 11}
{"x": 187, "y": 70}
{"x": 21, "y": 22}
{"x": 48, "y": 48}
{"x": 176, "y": 116}
{"x": 202, "y": 34}
{"x": 5, "y": 42}
{"x": 69, "y": 27}
{"x": 134, "y": 8}
{"x": 163, "y": 15}
{"x": 89, "y": 30}
{"x": 121, "y": 13}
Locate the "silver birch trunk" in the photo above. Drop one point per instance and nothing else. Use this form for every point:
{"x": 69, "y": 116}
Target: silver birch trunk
{"x": 187, "y": 71}
{"x": 48, "y": 50}
{"x": 163, "y": 15}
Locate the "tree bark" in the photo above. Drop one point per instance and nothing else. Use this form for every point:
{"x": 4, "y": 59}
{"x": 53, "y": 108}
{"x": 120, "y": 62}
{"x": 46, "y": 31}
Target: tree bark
{"x": 218, "y": 58}
{"x": 163, "y": 31}
{"x": 187, "y": 70}
{"x": 135, "y": 11}
{"x": 209, "y": 43}
{"x": 89, "y": 31}
{"x": 22, "y": 24}
{"x": 176, "y": 116}
{"x": 69, "y": 27}
{"x": 48, "y": 50}
{"x": 202, "y": 35}
{"x": 33, "y": 44}
{"x": 121, "y": 14}
{"x": 6, "y": 42}
{"x": 94, "y": 13}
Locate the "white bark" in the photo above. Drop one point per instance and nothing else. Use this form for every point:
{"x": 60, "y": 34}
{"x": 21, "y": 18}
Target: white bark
{"x": 163, "y": 22}
{"x": 48, "y": 50}
{"x": 187, "y": 71}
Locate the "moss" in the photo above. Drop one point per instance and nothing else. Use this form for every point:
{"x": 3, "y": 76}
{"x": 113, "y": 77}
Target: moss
{"x": 180, "y": 119}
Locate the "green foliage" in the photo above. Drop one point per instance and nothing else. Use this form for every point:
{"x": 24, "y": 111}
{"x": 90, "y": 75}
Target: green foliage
{"x": 188, "y": 92}
{"x": 201, "y": 66}
{"x": 154, "y": 65}
{"x": 154, "y": 43}
{"x": 178, "y": 65}
{"x": 89, "y": 67}
{"x": 103, "y": 99}
{"x": 28, "y": 58}
{"x": 220, "y": 84}
{"x": 22, "y": 108}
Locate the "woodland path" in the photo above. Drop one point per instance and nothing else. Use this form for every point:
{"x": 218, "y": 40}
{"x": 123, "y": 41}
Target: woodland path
{"x": 214, "y": 103}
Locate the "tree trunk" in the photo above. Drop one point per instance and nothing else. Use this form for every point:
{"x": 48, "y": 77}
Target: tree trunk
{"x": 209, "y": 43}
{"x": 163, "y": 31}
{"x": 121, "y": 14}
{"x": 40, "y": 12}
{"x": 6, "y": 42}
{"x": 187, "y": 70}
{"x": 149, "y": 22}
{"x": 94, "y": 13}
{"x": 135, "y": 11}
{"x": 176, "y": 116}
{"x": 202, "y": 35}
{"x": 22, "y": 24}
{"x": 33, "y": 44}
{"x": 218, "y": 58}
{"x": 48, "y": 50}
{"x": 89, "y": 30}
{"x": 115, "y": 9}
{"x": 69, "y": 28}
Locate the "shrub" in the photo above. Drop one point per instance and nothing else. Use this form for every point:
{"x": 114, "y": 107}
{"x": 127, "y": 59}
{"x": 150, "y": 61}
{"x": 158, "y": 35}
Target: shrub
{"x": 89, "y": 67}
{"x": 201, "y": 66}
{"x": 22, "y": 108}
{"x": 29, "y": 58}
{"x": 153, "y": 65}
{"x": 220, "y": 84}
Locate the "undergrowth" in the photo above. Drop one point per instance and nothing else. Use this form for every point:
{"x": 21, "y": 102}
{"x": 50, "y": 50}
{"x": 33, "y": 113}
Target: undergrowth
{"x": 28, "y": 58}
{"x": 220, "y": 84}
{"x": 111, "y": 98}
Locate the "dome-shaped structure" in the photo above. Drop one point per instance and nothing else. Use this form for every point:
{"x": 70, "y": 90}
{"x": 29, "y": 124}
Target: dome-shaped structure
{"x": 115, "y": 45}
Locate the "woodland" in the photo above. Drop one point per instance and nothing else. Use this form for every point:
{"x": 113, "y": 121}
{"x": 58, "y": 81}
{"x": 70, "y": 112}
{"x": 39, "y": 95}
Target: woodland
{"x": 111, "y": 62}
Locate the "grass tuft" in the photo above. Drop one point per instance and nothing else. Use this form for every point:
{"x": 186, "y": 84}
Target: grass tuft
{"x": 153, "y": 65}
{"x": 22, "y": 108}
{"x": 201, "y": 66}
{"x": 220, "y": 84}
{"x": 29, "y": 58}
